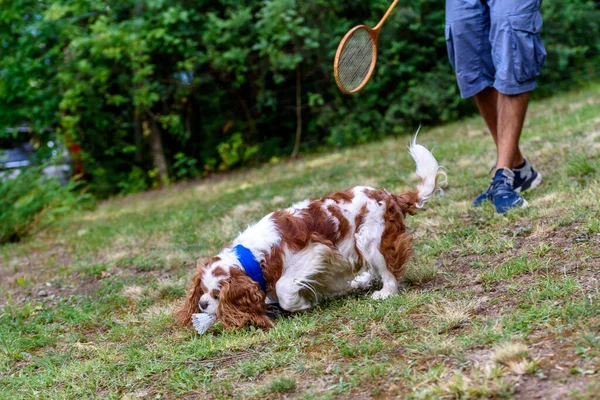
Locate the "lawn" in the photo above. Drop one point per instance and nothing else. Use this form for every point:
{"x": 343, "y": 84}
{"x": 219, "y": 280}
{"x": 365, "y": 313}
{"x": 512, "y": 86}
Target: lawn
{"x": 492, "y": 307}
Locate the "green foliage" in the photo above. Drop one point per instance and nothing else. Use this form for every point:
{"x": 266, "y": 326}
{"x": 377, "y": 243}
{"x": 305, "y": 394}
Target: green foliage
{"x": 31, "y": 202}
{"x": 234, "y": 151}
{"x": 217, "y": 79}
{"x": 134, "y": 182}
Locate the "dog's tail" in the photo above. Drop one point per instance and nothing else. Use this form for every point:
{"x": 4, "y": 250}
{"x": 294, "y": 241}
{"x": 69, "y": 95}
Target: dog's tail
{"x": 428, "y": 170}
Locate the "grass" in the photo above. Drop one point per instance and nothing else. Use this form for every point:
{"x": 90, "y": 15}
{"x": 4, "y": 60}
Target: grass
{"x": 493, "y": 306}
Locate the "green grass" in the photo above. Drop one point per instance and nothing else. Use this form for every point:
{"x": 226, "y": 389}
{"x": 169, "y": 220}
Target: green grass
{"x": 493, "y": 306}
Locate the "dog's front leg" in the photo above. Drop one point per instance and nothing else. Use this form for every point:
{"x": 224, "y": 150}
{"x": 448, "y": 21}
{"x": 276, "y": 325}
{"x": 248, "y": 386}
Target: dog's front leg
{"x": 288, "y": 292}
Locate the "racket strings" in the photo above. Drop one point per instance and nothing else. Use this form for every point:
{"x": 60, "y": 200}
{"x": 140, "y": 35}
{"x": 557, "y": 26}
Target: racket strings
{"x": 355, "y": 60}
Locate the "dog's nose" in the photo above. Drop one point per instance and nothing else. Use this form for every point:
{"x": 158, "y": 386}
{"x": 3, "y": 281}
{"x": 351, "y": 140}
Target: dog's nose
{"x": 203, "y": 304}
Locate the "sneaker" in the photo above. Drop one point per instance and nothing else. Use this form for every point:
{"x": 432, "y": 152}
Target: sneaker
{"x": 503, "y": 192}
{"x": 526, "y": 178}
{"x": 483, "y": 197}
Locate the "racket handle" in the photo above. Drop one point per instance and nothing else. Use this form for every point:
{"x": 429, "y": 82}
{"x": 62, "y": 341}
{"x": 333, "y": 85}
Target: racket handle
{"x": 387, "y": 14}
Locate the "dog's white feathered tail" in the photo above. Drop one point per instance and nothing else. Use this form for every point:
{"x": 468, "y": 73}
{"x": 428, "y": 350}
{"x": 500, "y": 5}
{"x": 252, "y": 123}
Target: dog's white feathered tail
{"x": 427, "y": 169}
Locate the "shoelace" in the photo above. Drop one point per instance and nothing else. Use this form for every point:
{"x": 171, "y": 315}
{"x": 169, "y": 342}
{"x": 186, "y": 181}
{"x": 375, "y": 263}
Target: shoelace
{"x": 502, "y": 186}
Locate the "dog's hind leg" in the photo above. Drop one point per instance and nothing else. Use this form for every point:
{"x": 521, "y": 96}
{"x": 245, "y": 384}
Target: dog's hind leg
{"x": 368, "y": 242}
{"x": 377, "y": 262}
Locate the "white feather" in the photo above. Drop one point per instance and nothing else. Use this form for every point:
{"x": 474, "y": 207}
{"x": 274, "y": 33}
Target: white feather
{"x": 202, "y": 322}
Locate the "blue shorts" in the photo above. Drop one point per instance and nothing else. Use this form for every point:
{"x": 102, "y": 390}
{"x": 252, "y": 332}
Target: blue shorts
{"x": 495, "y": 43}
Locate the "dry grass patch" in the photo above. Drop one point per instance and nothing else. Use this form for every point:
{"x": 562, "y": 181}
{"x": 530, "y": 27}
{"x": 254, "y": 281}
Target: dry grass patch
{"x": 515, "y": 357}
{"x": 510, "y": 352}
{"x": 434, "y": 346}
{"x": 479, "y": 383}
{"x": 523, "y": 367}
{"x": 449, "y": 315}
{"x": 158, "y": 311}
{"x": 133, "y": 293}
{"x": 420, "y": 272}
{"x": 176, "y": 259}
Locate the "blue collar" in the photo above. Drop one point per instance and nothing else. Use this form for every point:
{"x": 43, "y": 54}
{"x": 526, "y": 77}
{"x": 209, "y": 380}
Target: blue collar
{"x": 250, "y": 265}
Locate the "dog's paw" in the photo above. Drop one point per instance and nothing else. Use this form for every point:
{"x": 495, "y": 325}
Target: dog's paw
{"x": 383, "y": 294}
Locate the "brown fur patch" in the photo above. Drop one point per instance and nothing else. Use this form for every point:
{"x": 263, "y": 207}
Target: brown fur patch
{"x": 340, "y": 197}
{"x": 293, "y": 229}
{"x": 318, "y": 222}
{"x": 272, "y": 267}
{"x": 343, "y": 224}
{"x": 218, "y": 272}
{"x": 296, "y": 230}
{"x": 215, "y": 293}
{"x": 396, "y": 243}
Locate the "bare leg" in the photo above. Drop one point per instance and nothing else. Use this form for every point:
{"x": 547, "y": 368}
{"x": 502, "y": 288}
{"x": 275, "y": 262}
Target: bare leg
{"x": 488, "y": 104}
{"x": 511, "y": 115}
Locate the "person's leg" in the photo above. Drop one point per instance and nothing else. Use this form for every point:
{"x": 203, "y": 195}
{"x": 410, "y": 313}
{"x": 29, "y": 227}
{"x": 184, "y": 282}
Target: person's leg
{"x": 511, "y": 115}
{"x": 490, "y": 109}
{"x": 487, "y": 103}
{"x": 518, "y": 54}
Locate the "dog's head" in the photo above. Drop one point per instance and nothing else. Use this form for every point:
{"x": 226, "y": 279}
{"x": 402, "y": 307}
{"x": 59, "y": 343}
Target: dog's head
{"x": 220, "y": 287}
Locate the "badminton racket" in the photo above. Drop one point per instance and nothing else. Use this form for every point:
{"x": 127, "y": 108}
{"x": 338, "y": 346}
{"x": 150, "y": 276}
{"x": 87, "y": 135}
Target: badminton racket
{"x": 356, "y": 56}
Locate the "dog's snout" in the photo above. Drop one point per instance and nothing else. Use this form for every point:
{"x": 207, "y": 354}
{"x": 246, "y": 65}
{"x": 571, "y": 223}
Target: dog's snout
{"x": 203, "y": 304}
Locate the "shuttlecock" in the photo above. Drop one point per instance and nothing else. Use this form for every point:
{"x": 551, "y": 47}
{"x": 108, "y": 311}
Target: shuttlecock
{"x": 203, "y": 321}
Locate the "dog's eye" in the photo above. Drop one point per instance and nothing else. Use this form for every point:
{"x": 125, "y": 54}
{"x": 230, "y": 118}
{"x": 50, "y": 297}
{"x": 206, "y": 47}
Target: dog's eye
{"x": 216, "y": 296}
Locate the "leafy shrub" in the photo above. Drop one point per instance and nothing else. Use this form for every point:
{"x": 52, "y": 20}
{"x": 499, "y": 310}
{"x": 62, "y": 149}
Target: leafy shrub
{"x": 31, "y": 202}
{"x": 213, "y": 84}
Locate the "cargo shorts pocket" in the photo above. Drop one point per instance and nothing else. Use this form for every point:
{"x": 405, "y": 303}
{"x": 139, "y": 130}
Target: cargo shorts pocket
{"x": 450, "y": 47}
{"x": 529, "y": 54}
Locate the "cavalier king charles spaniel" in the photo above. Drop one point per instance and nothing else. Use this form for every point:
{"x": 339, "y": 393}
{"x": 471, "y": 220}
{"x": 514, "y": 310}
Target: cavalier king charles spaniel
{"x": 314, "y": 249}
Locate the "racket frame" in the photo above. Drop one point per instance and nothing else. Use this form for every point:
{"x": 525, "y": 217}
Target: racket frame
{"x": 374, "y": 34}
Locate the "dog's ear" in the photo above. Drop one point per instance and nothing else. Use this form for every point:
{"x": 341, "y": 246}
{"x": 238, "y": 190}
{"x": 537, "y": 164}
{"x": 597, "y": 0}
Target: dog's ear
{"x": 242, "y": 302}
{"x": 184, "y": 312}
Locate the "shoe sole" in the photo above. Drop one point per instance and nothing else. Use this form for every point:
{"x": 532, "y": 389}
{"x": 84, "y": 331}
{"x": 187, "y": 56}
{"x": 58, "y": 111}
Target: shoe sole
{"x": 524, "y": 204}
{"x": 536, "y": 182}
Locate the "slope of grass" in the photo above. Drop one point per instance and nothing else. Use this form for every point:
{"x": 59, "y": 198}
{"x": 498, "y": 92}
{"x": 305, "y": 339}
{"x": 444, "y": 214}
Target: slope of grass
{"x": 493, "y": 306}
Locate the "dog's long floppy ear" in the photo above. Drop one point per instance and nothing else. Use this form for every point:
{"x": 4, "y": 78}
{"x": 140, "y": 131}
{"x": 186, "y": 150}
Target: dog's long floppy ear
{"x": 241, "y": 302}
{"x": 184, "y": 312}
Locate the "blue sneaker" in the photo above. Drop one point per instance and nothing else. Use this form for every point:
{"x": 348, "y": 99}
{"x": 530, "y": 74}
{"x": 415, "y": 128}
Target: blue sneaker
{"x": 526, "y": 178}
{"x": 483, "y": 197}
{"x": 503, "y": 192}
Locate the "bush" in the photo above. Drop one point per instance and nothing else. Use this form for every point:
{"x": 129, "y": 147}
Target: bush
{"x": 31, "y": 202}
{"x": 213, "y": 85}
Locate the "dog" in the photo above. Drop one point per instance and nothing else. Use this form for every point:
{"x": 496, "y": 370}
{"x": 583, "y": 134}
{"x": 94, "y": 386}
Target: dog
{"x": 314, "y": 249}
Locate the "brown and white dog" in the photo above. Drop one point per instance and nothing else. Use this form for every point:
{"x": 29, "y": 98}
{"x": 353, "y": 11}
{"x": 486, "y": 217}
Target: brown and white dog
{"x": 314, "y": 249}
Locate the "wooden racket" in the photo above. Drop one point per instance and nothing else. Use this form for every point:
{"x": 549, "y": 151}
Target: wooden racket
{"x": 356, "y": 56}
